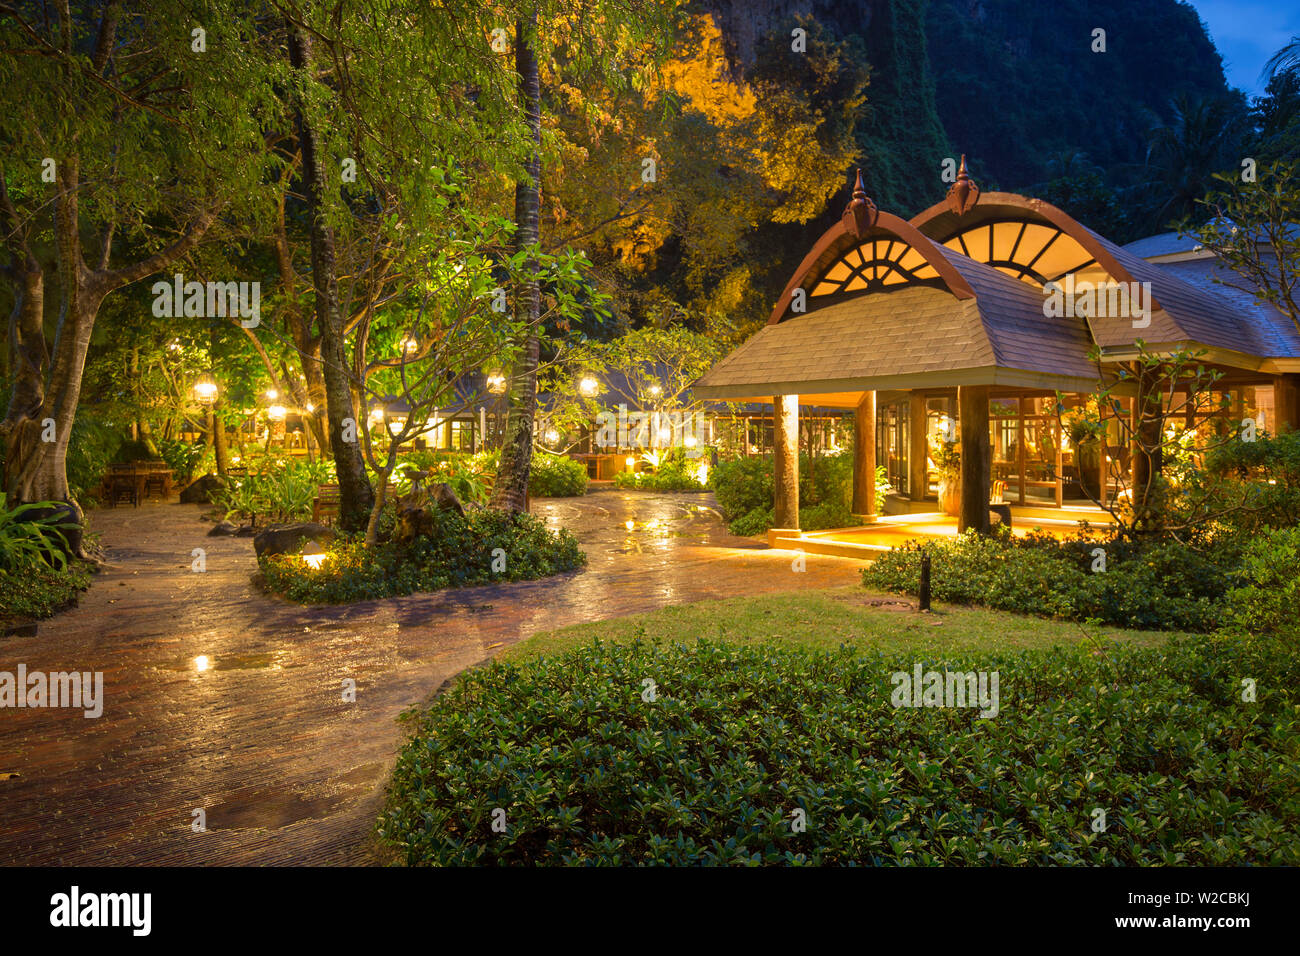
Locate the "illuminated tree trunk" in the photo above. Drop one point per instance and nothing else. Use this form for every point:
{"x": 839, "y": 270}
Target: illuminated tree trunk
{"x": 356, "y": 498}
{"x": 510, "y": 493}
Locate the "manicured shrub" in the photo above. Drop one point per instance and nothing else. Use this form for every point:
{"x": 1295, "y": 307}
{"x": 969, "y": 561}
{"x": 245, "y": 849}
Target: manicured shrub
{"x": 581, "y": 768}
{"x": 675, "y": 475}
{"x": 1268, "y": 595}
{"x": 555, "y": 476}
{"x": 458, "y": 552}
{"x": 744, "y": 488}
{"x": 1162, "y": 585}
{"x": 31, "y": 590}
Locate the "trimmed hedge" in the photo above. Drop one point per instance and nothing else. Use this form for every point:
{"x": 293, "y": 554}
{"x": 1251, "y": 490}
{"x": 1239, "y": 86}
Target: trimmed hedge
{"x": 588, "y": 771}
{"x": 555, "y": 476}
{"x": 31, "y": 590}
{"x": 1161, "y": 586}
{"x": 458, "y": 553}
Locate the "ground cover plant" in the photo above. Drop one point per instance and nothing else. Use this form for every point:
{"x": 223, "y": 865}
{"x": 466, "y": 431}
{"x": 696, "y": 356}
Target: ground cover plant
{"x": 745, "y": 488}
{"x": 1161, "y": 584}
{"x": 37, "y": 577}
{"x": 481, "y": 547}
{"x": 706, "y": 754}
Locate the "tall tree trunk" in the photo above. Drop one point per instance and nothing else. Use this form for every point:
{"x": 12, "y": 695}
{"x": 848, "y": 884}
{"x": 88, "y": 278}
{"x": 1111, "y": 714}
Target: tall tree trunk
{"x": 220, "y": 446}
{"x": 510, "y": 492}
{"x": 356, "y": 498}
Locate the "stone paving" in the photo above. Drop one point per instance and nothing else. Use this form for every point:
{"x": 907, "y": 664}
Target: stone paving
{"x": 221, "y": 698}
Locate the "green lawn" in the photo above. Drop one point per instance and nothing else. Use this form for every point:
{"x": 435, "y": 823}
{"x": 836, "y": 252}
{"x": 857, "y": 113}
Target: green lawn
{"x": 828, "y": 618}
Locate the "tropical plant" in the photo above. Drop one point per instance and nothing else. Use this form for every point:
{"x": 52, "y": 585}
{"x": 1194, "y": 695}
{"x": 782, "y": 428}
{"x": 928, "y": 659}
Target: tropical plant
{"x": 25, "y": 534}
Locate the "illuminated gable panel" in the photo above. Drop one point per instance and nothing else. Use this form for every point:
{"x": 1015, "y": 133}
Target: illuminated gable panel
{"x": 875, "y": 264}
{"x": 1029, "y": 251}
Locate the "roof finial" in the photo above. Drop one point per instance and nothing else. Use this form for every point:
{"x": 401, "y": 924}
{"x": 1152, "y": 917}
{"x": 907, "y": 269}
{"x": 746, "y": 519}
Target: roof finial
{"x": 860, "y": 214}
{"x": 964, "y": 193}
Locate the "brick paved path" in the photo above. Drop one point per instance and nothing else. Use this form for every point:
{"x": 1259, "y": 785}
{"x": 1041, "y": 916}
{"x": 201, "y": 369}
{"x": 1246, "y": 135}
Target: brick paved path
{"x": 286, "y": 771}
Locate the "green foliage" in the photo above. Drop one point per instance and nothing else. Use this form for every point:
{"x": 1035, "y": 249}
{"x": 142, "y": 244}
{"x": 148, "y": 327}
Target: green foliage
{"x": 1263, "y": 476}
{"x": 91, "y": 447}
{"x": 678, "y": 473}
{"x": 282, "y": 491}
{"x": 468, "y": 476}
{"x": 1160, "y": 585}
{"x": 31, "y": 590}
{"x": 458, "y": 553}
{"x": 556, "y": 476}
{"x": 1268, "y": 597}
{"x": 27, "y": 538}
{"x": 737, "y": 738}
{"x": 182, "y": 457}
{"x": 744, "y": 488}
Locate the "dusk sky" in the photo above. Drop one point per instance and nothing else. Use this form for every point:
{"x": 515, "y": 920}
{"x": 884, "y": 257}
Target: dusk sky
{"x": 1247, "y": 33}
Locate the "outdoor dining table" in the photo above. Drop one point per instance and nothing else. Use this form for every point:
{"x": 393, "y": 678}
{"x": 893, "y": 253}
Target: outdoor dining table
{"x": 137, "y": 476}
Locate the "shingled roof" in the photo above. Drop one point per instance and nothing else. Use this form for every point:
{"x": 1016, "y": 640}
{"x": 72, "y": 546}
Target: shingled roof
{"x": 907, "y": 337}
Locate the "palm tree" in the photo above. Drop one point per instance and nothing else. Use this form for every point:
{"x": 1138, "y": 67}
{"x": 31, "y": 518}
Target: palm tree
{"x": 510, "y": 492}
{"x": 1202, "y": 138}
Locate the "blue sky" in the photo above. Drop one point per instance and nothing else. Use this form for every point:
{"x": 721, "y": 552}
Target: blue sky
{"x": 1247, "y": 33}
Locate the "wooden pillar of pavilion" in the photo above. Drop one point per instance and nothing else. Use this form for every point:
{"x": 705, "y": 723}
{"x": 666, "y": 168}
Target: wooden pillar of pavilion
{"x": 1286, "y": 404}
{"x": 864, "y": 458}
{"x": 918, "y": 449}
{"x": 976, "y": 458}
{"x": 785, "y": 441}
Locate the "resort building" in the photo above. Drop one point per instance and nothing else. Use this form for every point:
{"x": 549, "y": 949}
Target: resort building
{"x": 966, "y": 322}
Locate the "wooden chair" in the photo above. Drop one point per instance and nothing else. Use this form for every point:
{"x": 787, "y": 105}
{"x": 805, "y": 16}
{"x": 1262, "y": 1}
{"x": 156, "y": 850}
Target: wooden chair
{"x": 121, "y": 484}
{"x": 996, "y": 503}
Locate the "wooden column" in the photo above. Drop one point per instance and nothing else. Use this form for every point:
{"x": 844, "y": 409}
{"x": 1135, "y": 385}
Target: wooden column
{"x": 864, "y": 457}
{"x": 1286, "y": 404}
{"x": 918, "y": 450}
{"x": 785, "y": 438}
{"x": 976, "y": 459}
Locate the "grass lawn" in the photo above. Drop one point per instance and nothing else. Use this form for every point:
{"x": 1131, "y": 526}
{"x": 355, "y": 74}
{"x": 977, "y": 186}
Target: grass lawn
{"x": 825, "y": 619}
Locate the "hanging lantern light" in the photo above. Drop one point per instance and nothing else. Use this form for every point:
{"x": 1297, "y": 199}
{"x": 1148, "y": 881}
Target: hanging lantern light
{"x": 589, "y": 386}
{"x": 276, "y": 413}
{"x": 205, "y": 389}
{"x": 496, "y": 382}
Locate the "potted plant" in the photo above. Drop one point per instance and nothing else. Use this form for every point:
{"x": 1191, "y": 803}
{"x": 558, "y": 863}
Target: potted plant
{"x": 946, "y": 457}
{"x": 1083, "y": 428}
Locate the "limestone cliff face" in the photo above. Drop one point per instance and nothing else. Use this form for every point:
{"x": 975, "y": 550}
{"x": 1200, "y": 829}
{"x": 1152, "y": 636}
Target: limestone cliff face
{"x": 743, "y": 21}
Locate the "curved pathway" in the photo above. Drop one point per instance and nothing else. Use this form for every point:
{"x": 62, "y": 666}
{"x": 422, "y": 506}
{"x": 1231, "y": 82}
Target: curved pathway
{"x": 222, "y": 699}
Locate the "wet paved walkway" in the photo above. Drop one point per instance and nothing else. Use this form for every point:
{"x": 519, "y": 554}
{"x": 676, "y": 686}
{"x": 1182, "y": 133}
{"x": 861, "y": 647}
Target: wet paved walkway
{"x": 261, "y": 739}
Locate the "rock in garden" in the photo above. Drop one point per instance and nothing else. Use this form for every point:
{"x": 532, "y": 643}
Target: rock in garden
{"x": 442, "y": 496}
{"x": 201, "y": 490}
{"x": 289, "y": 538}
{"x": 223, "y": 528}
{"x": 413, "y": 521}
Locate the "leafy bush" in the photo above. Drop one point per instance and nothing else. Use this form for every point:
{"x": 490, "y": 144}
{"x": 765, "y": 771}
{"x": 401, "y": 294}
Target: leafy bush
{"x": 31, "y": 590}
{"x": 737, "y": 738}
{"x": 673, "y": 475}
{"x": 282, "y": 490}
{"x": 469, "y": 476}
{"x": 458, "y": 553}
{"x": 1162, "y": 585}
{"x": 182, "y": 457}
{"x": 745, "y": 489}
{"x": 91, "y": 447}
{"x": 556, "y": 476}
{"x": 1268, "y": 595}
{"x": 1265, "y": 474}
{"x": 26, "y": 537}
